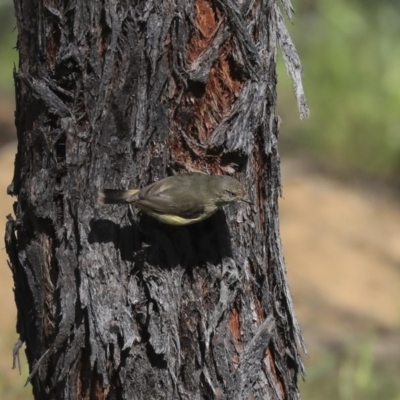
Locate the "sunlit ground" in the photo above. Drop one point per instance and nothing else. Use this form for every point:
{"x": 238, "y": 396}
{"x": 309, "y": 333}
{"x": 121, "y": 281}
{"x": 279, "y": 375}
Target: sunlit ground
{"x": 11, "y": 382}
{"x": 342, "y": 248}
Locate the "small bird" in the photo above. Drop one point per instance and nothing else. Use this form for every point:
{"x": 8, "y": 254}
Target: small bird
{"x": 180, "y": 199}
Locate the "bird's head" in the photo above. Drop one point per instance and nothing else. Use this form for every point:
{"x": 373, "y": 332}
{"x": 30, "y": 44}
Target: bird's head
{"x": 230, "y": 190}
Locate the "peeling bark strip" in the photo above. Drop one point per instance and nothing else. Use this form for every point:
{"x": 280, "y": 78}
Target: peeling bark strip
{"x": 116, "y": 306}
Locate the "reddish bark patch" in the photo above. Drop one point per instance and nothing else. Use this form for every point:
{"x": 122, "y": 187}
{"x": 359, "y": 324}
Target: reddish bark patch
{"x": 259, "y": 311}
{"x": 270, "y": 359}
{"x": 234, "y": 324}
{"x": 235, "y": 328}
{"x": 221, "y": 92}
{"x": 98, "y": 392}
{"x": 206, "y": 21}
{"x": 203, "y": 107}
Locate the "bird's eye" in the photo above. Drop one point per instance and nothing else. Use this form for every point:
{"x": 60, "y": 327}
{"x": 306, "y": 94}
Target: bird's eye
{"x": 230, "y": 193}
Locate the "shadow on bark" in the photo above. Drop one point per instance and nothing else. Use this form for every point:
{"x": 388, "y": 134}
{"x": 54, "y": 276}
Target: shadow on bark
{"x": 166, "y": 246}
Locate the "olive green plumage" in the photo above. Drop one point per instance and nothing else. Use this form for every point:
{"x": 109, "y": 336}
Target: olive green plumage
{"x": 181, "y": 199}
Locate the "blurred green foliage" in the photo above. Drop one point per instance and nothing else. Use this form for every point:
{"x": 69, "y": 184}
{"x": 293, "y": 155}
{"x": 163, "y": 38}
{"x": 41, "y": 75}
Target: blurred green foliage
{"x": 351, "y": 374}
{"x": 351, "y": 61}
{"x": 8, "y": 52}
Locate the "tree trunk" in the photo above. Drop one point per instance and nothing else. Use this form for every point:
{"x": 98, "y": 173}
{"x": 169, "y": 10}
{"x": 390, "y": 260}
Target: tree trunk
{"x": 114, "y": 305}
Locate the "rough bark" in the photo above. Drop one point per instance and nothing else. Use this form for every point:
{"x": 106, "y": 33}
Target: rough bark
{"x": 117, "y": 306}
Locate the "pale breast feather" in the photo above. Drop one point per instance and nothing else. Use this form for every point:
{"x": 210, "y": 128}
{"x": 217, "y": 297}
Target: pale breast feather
{"x": 161, "y": 205}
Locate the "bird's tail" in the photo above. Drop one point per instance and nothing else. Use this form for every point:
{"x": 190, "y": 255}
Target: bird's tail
{"x": 116, "y": 196}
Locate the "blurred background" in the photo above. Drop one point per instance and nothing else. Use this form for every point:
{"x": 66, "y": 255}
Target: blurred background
{"x": 340, "y": 216}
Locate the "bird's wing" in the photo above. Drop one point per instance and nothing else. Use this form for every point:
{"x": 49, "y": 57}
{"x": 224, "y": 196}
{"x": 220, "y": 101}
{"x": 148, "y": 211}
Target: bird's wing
{"x": 171, "y": 198}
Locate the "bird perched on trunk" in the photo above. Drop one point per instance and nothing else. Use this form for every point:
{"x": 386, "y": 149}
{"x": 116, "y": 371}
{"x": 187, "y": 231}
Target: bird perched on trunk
{"x": 180, "y": 199}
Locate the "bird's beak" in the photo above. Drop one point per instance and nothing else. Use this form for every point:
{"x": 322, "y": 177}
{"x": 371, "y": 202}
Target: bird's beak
{"x": 247, "y": 200}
